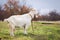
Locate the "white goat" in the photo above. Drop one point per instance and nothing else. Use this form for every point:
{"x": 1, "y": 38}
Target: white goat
{"x": 21, "y": 21}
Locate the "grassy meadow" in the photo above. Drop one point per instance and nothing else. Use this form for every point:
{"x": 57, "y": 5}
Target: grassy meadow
{"x": 41, "y": 32}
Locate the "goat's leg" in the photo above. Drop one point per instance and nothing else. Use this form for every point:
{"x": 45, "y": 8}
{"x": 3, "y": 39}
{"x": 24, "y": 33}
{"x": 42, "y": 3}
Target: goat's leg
{"x": 25, "y": 29}
{"x": 12, "y": 29}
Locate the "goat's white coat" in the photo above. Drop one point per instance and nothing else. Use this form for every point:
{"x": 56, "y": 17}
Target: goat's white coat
{"x": 21, "y": 21}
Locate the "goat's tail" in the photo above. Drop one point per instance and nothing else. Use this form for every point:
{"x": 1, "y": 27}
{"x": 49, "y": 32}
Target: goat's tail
{"x": 5, "y": 20}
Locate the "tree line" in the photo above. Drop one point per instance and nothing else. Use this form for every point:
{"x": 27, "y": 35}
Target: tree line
{"x": 12, "y": 7}
{"x": 52, "y": 16}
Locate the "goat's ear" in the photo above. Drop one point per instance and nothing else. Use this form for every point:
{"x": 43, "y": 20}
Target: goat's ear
{"x": 32, "y": 9}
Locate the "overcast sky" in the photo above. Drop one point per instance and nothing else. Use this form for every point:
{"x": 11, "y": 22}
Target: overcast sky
{"x": 43, "y": 6}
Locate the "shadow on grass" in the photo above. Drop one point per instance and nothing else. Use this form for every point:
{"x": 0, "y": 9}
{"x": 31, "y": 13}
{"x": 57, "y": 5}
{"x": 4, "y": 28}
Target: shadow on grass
{"x": 38, "y": 37}
{"x": 33, "y": 36}
{"x": 18, "y": 35}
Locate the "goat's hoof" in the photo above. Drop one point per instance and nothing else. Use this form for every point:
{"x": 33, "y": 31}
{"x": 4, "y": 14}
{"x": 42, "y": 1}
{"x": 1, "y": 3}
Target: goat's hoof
{"x": 12, "y": 35}
{"x": 25, "y": 33}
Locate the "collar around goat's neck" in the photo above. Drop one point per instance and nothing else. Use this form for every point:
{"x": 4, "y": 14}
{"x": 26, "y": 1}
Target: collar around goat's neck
{"x": 30, "y": 15}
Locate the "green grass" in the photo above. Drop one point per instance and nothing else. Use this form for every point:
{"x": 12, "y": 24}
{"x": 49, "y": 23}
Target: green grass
{"x": 41, "y": 32}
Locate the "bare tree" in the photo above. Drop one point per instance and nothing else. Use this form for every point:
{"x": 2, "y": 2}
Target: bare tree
{"x": 54, "y": 16}
{"x": 12, "y": 7}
